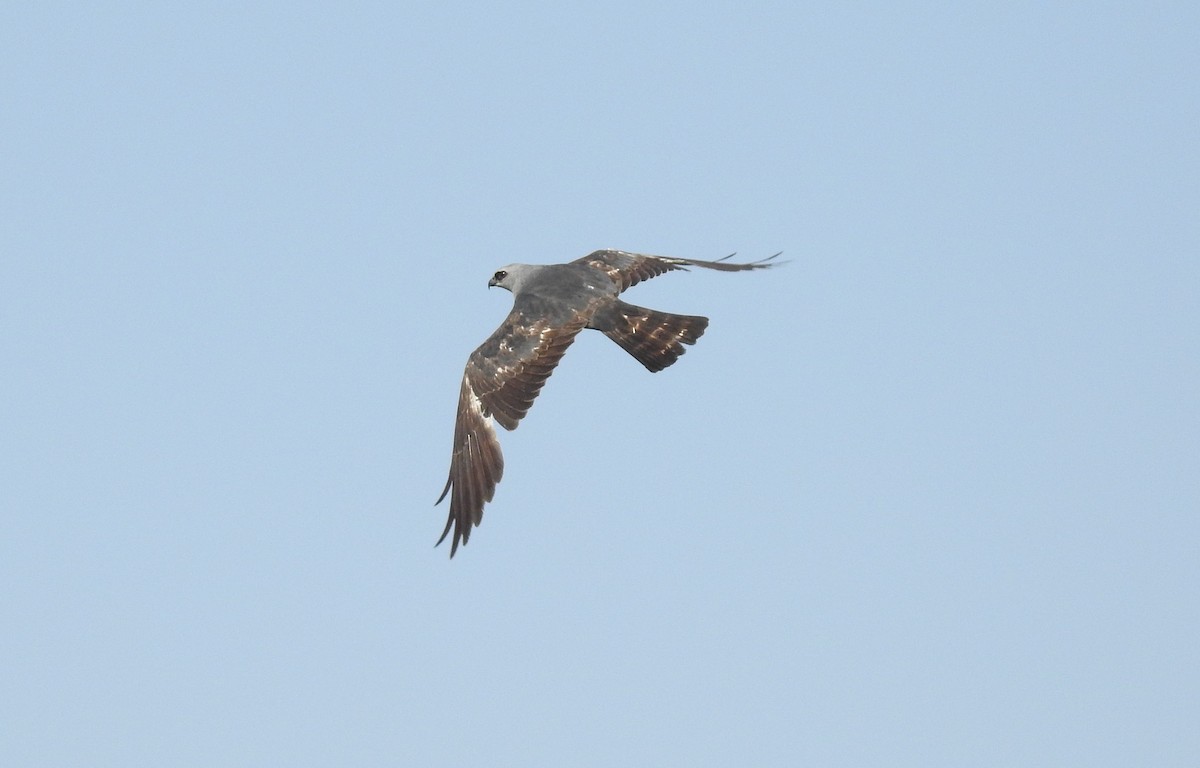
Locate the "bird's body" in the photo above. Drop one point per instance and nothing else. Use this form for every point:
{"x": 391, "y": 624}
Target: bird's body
{"x": 551, "y": 305}
{"x": 555, "y": 281}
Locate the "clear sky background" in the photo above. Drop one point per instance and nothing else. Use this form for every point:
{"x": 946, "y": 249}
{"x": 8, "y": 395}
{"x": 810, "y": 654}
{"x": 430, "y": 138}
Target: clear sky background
{"x": 925, "y": 496}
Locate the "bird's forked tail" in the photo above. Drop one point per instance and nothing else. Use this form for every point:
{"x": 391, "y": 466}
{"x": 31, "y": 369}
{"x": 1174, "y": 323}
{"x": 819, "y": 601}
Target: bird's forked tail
{"x": 655, "y": 338}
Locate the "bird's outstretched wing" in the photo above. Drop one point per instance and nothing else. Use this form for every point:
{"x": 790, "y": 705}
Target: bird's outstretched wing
{"x": 628, "y": 269}
{"x": 502, "y": 379}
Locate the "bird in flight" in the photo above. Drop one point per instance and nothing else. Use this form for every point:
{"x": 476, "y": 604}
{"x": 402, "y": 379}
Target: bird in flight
{"x": 552, "y": 303}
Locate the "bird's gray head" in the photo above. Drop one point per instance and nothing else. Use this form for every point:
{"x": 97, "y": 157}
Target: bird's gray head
{"x": 510, "y": 278}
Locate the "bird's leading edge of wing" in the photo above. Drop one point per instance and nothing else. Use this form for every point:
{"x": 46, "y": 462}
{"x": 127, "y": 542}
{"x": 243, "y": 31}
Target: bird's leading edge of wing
{"x": 628, "y": 269}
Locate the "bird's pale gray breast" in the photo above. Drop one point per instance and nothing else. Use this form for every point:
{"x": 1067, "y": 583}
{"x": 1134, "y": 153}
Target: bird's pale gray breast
{"x": 574, "y": 285}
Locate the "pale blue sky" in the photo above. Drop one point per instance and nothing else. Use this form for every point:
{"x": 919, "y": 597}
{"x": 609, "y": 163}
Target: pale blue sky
{"x": 925, "y": 496}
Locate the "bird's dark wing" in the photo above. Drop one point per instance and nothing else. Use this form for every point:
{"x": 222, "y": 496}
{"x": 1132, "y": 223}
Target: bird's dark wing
{"x": 501, "y": 381}
{"x": 628, "y": 269}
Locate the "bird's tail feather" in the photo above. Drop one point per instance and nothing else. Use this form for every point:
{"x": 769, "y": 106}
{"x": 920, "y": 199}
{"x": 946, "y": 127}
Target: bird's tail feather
{"x": 654, "y": 338}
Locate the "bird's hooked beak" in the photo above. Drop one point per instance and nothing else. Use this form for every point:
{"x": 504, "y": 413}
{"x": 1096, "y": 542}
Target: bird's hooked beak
{"x": 492, "y": 283}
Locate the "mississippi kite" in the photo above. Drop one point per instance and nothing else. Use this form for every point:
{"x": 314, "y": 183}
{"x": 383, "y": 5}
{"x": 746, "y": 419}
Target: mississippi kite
{"x": 551, "y": 305}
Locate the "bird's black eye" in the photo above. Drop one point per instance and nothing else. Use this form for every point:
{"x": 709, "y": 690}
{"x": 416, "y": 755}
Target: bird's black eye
{"x": 500, "y": 275}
